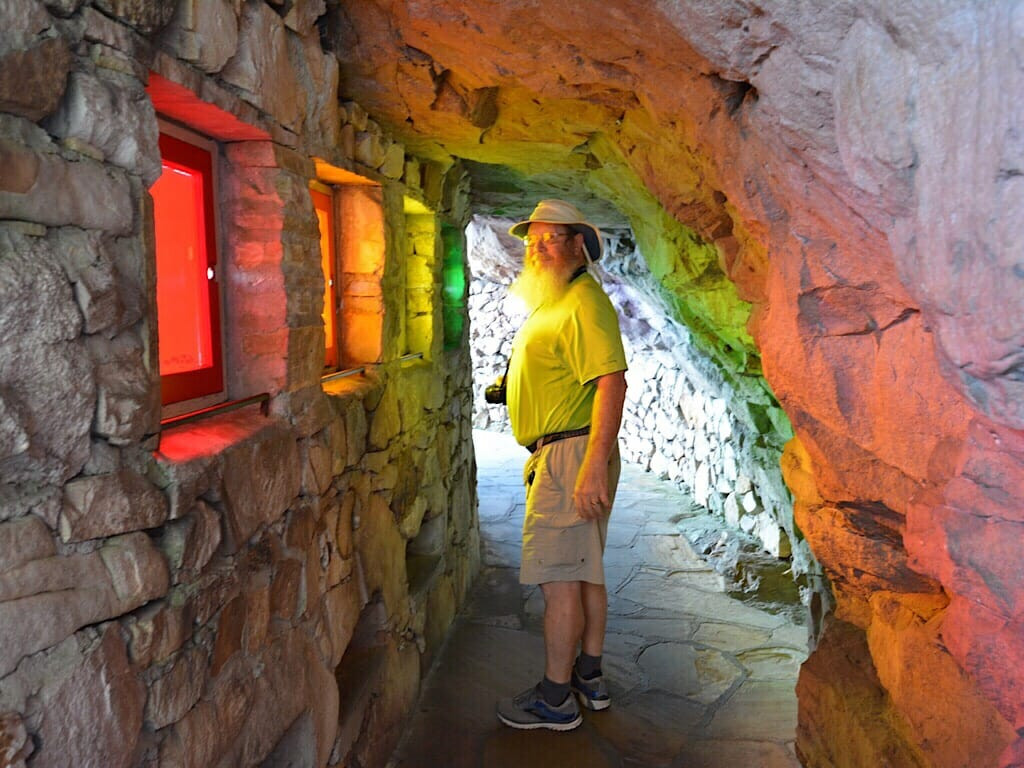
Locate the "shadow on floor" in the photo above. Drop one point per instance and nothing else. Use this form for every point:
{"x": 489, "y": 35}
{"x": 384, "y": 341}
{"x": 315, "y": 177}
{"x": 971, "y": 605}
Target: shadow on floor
{"x": 698, "y": 679}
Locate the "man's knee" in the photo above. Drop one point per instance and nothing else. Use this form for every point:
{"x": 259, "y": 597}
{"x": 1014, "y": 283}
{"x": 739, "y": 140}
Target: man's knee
{"x": 556, "y": 590}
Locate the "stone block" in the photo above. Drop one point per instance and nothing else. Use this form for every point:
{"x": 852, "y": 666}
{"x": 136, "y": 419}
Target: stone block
{"x": 357, "y": 116}
{"x": 46, "y": 381}
{"x": 33, "y": 71}
{"x": 218, "y": 586}
{"x": 341, "y": 606}
{"x": 159, "y": 630}
{"x": 144, "y": 15}
{"x": 347, "y": 142}
{"x": 23, "y": 540}
{"x": 861, "y": 548}
{"x": 252, "y": 497}
{"x": 381, "y": 551}
{"x": 55, "y": 192}
{"x": 116, "y": 119}
{"x": 732, "y": 510}
{"x": 385, "y": 421}
{"x": 257, "y": 618}
{"x": 301, "y": 526}
{"x": 387, "y": 711}
{"x": 369, "y": 149}
{"x": 339, "y": 566}
{"x": 106, "y": 505}
{"x": 207, "y": 731}
{"x": 92, "y": 271}
{"x": 204, "y": 32}
{"x": 262, "y": 66}
{"x": 15, "y": 745}
{"x": 189, "y": 543}
{"x": 128, "y": 393}
{"x": 308, "y": 408}
{"x": 190, "y": 460}
{"x": 305, "y": 356}
{"x": 173, "y": 694}
{"x": 95, "y": 714}
{"x": 46, "y": 600}
{"x": 230, "y": 627}
{"x": 285, "y": 591}
{"x": 393, "y": 164}
{"x": 948, "y": 717}
{"x": 317, "y": 560}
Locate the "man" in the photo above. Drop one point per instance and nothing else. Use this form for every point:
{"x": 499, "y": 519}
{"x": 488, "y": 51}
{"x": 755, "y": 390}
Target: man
{"x": 566, "y": 385}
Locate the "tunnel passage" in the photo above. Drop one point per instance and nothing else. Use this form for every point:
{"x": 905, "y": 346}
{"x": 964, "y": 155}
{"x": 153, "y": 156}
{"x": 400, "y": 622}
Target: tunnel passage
{"x": 827, "y": 200}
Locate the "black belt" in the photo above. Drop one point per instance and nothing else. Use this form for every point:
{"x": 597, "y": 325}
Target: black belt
{"x": 554, "y": 437}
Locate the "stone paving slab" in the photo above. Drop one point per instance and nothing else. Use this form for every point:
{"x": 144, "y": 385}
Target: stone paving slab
{"x": 698, "y": 678}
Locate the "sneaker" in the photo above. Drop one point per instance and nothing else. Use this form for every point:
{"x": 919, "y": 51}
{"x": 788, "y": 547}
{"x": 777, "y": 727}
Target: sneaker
{"x": 592, "y": 693}
{"x": 530, "y": 710}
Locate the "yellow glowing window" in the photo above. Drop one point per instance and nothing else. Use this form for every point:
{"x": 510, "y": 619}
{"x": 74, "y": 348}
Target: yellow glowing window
{"x": 350, "y": 210}
{"x": 323, "y": 203}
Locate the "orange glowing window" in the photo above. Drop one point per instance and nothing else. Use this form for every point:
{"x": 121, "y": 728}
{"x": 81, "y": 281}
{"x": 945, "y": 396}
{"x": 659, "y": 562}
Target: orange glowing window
{"x": 323, "y": 203}
{"x": 188, "y": 308}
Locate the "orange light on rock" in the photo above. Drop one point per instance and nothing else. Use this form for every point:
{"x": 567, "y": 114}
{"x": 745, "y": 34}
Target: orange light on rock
{"x": 324, "y": 206}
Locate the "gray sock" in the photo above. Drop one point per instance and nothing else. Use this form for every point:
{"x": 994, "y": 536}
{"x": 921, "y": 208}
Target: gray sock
{"x": 553, "y": 693}
{"x": 588, "y": 667}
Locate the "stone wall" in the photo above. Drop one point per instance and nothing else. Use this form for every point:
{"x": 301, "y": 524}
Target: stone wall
{"x": 684, "y": 420}
{"x": 253, "y": 587}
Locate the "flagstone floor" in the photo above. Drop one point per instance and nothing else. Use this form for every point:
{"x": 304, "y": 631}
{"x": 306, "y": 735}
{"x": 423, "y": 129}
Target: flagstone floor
{"x": 698, "y": 679}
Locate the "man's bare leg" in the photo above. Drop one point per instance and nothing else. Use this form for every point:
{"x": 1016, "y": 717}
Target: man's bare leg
{"x": 563, "y": 625}
{"x": 595, "y": 617}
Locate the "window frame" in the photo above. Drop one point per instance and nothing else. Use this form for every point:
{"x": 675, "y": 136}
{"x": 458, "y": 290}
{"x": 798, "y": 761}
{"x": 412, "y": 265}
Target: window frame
{"x": 332, "y": 295}
{"x": 192, "y": 390}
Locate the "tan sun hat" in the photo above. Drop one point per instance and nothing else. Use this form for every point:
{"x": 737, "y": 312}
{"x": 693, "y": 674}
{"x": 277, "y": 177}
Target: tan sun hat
{"x": 561, "y": 212}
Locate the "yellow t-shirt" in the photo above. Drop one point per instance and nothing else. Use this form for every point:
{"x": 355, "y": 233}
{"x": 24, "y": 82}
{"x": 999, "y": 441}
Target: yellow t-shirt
{"x": 556, "y": 356}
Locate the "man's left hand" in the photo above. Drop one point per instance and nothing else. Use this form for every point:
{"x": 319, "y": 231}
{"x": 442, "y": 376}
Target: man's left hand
{"x": 590, "y": 497}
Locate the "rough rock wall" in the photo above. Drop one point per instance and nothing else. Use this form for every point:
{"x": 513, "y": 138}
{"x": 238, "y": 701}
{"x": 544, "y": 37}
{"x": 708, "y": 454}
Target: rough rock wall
{"x": 250, "y": 586}
{"x": 858, "y": 167}
{"x": 683, "y": 420}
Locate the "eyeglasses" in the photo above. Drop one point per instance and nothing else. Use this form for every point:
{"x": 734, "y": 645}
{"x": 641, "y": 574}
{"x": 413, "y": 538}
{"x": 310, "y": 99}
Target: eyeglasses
{"x": 547, "y": 238}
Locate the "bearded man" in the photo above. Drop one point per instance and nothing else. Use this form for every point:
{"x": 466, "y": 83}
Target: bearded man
{"x": 565, "y": 387}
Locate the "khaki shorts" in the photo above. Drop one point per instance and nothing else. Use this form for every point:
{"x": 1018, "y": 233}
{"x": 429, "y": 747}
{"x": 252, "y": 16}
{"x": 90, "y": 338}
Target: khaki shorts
{"x": 558, "y": 545}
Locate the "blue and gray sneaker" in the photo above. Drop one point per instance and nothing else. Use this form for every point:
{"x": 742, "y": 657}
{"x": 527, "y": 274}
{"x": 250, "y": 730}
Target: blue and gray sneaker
{"x": 530, "y": 710}
{"x": 592, "y": 693}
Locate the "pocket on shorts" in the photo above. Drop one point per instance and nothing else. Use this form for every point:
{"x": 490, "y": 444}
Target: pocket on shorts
{"x": 559, "y": 548}
{"x": 548, "y": 499}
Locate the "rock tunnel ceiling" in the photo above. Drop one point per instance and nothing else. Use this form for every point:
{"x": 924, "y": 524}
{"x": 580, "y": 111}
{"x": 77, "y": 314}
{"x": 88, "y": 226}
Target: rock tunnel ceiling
{"x": 533, "y": 113}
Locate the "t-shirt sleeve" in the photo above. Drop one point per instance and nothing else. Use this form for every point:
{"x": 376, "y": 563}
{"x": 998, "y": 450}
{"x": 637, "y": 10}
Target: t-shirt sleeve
{"x": 592, "y": 338}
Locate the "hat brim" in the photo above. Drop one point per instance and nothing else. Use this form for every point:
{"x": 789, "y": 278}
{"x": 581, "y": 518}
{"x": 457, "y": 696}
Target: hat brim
{"x": 591, "y": 234}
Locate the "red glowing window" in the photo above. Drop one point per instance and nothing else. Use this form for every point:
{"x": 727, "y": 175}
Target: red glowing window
{"x": 188, "y": 308}
{"x": 323, "y": 203}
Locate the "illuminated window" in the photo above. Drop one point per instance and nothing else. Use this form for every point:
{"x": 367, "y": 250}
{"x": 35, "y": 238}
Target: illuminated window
{"x": 323, "y": 203}
{"x": 350, "y": 211}
{"x": 453, "y": 278}
{"x": 188, "y": 305}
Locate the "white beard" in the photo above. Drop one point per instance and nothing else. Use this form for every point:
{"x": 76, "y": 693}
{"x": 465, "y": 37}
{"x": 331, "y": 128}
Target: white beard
{"x": 538, "y": 285}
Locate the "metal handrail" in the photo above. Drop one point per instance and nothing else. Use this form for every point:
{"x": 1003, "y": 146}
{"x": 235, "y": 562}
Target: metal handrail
{"x": 362, "y": 368}
{"x": 232, "y": 405}
{"x": 342, "y": 374}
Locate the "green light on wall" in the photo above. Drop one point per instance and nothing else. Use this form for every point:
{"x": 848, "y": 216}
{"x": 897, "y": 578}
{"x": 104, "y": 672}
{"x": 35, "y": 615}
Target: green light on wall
{"x": 453, "y": 290}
